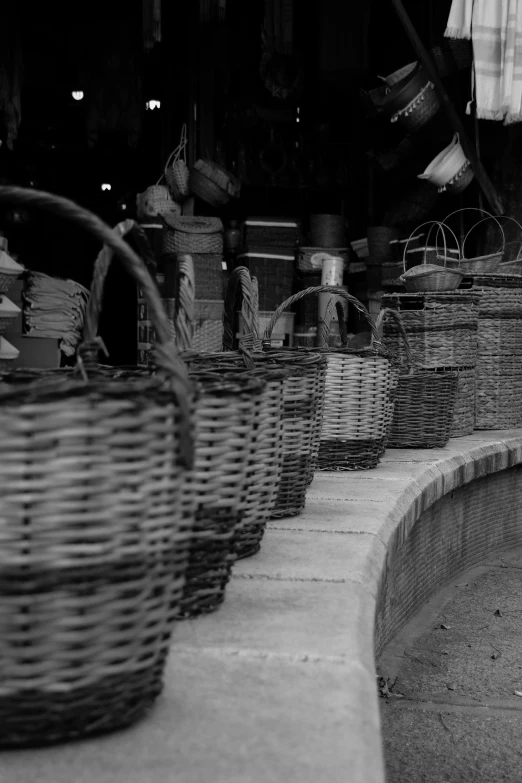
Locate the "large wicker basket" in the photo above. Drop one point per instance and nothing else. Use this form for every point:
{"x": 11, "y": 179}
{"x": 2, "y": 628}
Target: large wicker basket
{"x": 498, "y": 393}
{"x": 442, "y": 334}
{"x": 358, "y": 391}
{"x": 91, "y": 570}
{"x": 424, "y": 401}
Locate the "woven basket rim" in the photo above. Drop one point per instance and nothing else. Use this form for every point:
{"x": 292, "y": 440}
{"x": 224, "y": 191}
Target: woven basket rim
{"x": 195, "y": 225}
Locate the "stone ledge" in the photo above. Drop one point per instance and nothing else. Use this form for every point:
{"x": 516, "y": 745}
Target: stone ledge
{"x": 279, "y": 685}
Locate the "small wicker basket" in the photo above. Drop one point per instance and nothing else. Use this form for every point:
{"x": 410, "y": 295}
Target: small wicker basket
{"x": 212, "y": 183}
{"x": 431, "y": 277}
{"x": 186, "y": 234}
{"x": 176, "y": 170}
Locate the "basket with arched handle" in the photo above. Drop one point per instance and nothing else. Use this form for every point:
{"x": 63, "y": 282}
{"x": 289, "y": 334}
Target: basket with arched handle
{"x": 261, "y": 463}
{"x": 484, "y": 263}
{"x": 424, "y": 400}
{"x": 432, "y": 276}
{"x": 94, "y": 543}
{"x": 358, "y": 391}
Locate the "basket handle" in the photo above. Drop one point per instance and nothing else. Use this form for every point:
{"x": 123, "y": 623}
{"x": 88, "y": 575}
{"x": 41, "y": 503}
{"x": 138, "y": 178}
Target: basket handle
{"x": 185, "y": 297}
{"x": 240, "y": 281}
{"x": 321, "y": 289}
{"x": 431, "y": 223}
{"x": 164, "y": 351}
{"x": 389, "y": 312}
{"x": 324, "y": 332}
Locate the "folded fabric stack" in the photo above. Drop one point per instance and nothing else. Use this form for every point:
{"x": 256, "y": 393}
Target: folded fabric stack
{"x": 55, "y": 308}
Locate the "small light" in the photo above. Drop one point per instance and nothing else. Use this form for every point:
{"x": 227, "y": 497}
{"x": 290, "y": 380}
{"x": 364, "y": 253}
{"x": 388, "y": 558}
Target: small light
{"x": 77, "y": 95}
{"x": 298, "y": 110}
{"x": 106, "y": 186}
{"x": 297, "y": 119}
{"x": 150, "y": 105}
{"x": 124, "y": 206}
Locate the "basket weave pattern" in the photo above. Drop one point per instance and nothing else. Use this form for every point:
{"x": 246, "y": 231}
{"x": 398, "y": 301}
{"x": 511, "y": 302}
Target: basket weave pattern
{"x": 275, "y": 277}
{"x": 226, "y": 416}
{"x": 442, "y": 329}
{"x": 6, "y": 280}
{"x": 498, "y": 395}
{"x": 91, "y": 569}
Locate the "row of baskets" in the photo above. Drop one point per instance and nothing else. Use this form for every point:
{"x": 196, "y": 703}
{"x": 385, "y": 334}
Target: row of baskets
{"x": 129, "y": 493}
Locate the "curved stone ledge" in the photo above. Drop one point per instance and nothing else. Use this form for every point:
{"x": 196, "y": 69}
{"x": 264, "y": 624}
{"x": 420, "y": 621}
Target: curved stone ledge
{"x": 279, "y": 685}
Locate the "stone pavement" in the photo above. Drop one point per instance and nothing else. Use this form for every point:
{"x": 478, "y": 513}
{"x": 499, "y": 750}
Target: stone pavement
{"x": 452, "y": 713}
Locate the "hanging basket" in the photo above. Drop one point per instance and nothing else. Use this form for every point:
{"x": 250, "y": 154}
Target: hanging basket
{"x": 412, "y": 101}
{"x": 450, "y": 170}
{"x": 358, "y": 393}
{"x": 176, "y": 170}
{"x": 424, "y": 401}
{"x": 212, "y": 183}
{"x": 91, "y": 570}
{"x": 154, "y": 201}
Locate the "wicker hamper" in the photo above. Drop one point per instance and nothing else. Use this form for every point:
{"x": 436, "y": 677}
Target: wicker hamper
{"x": 424, "y": 401}
{"x": 442, "y": 334}
{"x": 186, "y": 234}
{"x": 498, "y": 392}
{"x": 91, "y": 569}
{"x": 271, "y": 232}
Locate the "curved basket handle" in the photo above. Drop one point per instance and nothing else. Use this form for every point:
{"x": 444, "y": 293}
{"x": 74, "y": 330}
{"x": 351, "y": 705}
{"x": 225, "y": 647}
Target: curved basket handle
{"x": 324, "y": 331}
{"x": 184, "y": 308}
{"x": 387, "y": 312}
{"x": 240, "y": 280}
{"x": 320, "y": 289}
{"x": 491, "y": 217}
{"x": 442, "y": 226}
{"x": 164, "y": 352}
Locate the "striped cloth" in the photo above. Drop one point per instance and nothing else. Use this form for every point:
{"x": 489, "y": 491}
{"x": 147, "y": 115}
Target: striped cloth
{"x": 495, "y": 28}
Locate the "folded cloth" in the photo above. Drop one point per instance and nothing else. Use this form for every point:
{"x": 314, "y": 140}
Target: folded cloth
{"x": 55, "y": 308}
{"x": 495, "y": 28}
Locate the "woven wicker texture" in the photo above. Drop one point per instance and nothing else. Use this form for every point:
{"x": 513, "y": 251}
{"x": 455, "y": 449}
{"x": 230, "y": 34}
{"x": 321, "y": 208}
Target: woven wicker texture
{"x": 303, "y": 392}
{"x": 270, "y": 232}
{"x": 263, "y": 463}
{"x": 156, "y": 200}
{"x": 212, "y": 183}
{"x": 207, "y": 323}
{"x": 463, "y": 422}
{"x": 192, "y": 235}
{"x": 498, "y": 393}
{"x": 357, "y": 394}
{"x": 275, "y": 277}
{"x": 94, "y": 544}
{"x": 227, "y": 416}
{"x": 176, "y": 170}
{"x": 424, "y": 401}
{"x": 441, "y": 328}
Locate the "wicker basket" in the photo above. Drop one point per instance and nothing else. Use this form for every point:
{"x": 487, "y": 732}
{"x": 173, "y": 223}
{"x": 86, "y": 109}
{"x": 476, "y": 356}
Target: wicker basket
{"x": 93, "y": 568}
{"x": 358, "y": 391}
{"x": 176, "y": 170}
{"x": 227, "y": 420}
{"x": 498, "y": 393}
{"x": 412, "y": 101}
{"x": 274, "y": 274}
{"x": 192, "y": 235}
{"x": 212, "y": 183}
{"x": 303, "y": 392}
{"x": 156, "y": 200}
{"x": 485, "y": 263}
{"x": 432, "y": 277}
{"x": 207, "y": 323}
{"x": 424, "y": 401}
{"x": 441, "y": 328}
{"x": 263, "y": 462}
